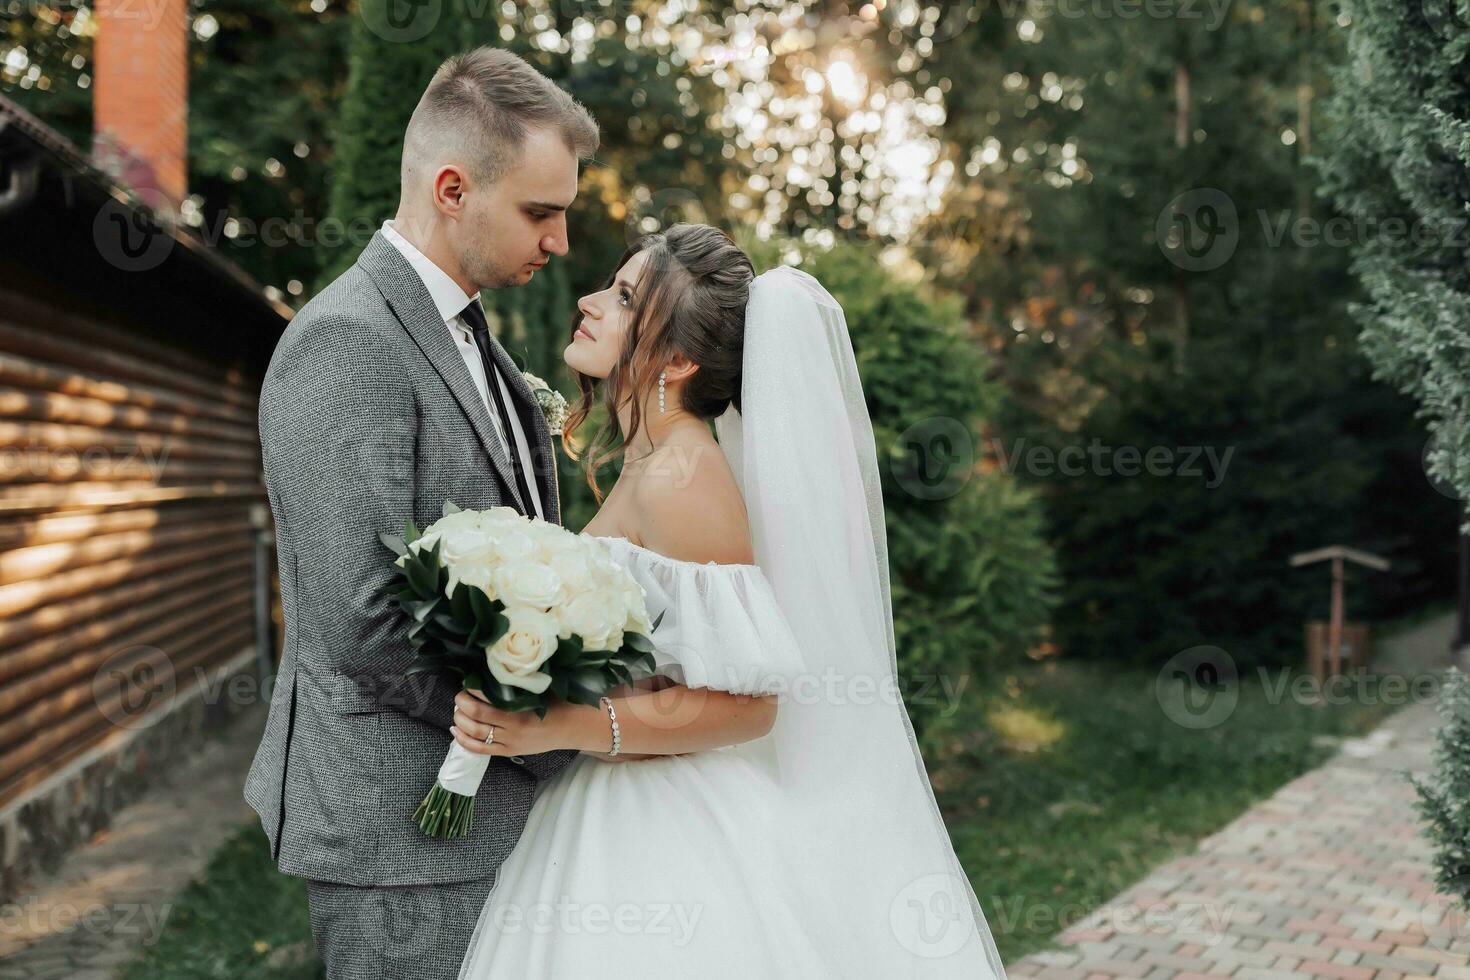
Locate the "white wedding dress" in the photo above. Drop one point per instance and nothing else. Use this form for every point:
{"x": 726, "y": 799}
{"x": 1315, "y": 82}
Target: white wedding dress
{"x": 816, "y": 851}
{"x": 665, "y": 864}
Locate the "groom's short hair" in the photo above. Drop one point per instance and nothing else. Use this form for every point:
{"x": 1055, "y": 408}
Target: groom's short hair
{"x": 485, "y": 101}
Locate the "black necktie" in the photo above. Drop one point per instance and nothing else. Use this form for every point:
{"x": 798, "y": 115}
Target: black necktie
{"x": 481, "y": 332}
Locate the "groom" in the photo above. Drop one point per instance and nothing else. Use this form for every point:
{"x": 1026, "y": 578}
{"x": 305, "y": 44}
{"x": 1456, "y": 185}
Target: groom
{"x": 387, "y": 396}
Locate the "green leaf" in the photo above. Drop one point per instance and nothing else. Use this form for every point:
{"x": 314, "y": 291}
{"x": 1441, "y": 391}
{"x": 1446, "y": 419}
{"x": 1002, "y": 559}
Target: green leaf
{"x": 420, "y": 577}
{"x": 436, "y": 565}
{"x": 637, "y": 641}
{"x": 402, "y": 591}
{"x": 394, "y": 543}
{"x": 459, "y": 602}
{"x": 502, "y": 694}
{"x": 490, "y": 622}
{"x": 482, "y": 606}
{"x": 499, "y": 628}
{"x": 458, "y": 648}
{"x": 586, "y": 682}
{"x": 474, "y": 681}
{"x": 568, "y": 652}
{"x": 410, "y": 532}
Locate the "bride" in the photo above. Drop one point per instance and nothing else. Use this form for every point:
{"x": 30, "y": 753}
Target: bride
{"x": 759, "y": 808}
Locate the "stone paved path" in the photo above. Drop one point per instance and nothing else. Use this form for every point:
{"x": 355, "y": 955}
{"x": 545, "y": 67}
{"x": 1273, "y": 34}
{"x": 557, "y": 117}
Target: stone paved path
{"x": 1329, "y": 877}
{"x": 115, "y": 893}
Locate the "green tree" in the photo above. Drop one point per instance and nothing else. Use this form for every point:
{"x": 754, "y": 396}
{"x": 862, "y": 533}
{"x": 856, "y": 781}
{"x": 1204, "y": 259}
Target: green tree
{"x": 1396, "y": 163}
{"x": 1443, "y": 794}
{"x": 1145, "y": 274}
{"x": 266, "y": 80}
{"x": 389, "y": 63}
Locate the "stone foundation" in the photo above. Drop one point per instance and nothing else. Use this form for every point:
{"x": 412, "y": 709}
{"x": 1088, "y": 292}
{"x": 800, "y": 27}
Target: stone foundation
{"x": 78, "y": 801}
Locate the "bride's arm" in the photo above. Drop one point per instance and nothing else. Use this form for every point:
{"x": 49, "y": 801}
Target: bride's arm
{"x": 670, "y": 721}
{"x": 672, "y": 500}
{"x": 654, "y": 683}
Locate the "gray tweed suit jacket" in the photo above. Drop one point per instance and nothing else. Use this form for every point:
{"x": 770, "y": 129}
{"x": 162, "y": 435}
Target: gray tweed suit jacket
{"x": 368, "y": 416}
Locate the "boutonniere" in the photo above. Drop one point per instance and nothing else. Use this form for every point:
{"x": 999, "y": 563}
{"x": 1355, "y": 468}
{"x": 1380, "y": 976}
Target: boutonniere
{"x": 553, "y": 405}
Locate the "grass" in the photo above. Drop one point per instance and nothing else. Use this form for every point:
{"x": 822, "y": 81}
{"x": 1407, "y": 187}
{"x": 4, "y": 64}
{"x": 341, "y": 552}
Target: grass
{"x": 242, "y": 919}
{"x": 1062, "y": 784}
{"x": 1068, "y": 783}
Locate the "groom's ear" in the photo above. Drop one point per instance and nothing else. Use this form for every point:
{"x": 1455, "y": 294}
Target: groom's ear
{"x": 449, "y": 189}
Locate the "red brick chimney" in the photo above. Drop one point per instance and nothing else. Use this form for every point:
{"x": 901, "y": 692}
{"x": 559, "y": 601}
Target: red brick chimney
{"x": 140, "y": 86}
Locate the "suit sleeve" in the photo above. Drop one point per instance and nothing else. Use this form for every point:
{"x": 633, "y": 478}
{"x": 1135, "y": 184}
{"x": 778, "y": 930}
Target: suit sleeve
{"x": 338, "y": 425}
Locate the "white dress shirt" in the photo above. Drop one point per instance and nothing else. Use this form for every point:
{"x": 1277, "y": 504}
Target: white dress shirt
{"x": 449, "y": 299}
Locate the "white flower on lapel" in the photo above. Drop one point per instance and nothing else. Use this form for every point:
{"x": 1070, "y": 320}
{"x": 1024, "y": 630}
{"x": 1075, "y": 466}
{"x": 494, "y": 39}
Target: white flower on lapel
{"x": 553, "y": 405}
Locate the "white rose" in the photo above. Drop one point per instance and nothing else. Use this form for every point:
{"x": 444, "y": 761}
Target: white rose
{"x": 516, "y": 658}
{"x": 597, "y": 618}
{"x": 478, "y": 574}
{"x": 575, "y": 570}
{"x": 549, "y": 540}
{"x": 638, "y": 621}
{"x": 608, "y": 573}
{"x": 514, "y": 544}
{"x": 468, "y": 546}
{"x": 451, "y": 523}
{"x": 458, "y": 520}
{"x": 540, "y": 529}
{"x": 528, "y": 583}
{"x": 456, "y": 534}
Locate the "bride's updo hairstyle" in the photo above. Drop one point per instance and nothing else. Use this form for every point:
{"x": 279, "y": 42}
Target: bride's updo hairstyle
{"x": 690, "y": 299}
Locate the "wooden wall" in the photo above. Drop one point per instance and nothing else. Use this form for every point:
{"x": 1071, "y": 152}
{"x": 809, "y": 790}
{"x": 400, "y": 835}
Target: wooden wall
{"x": 129, "y": 471}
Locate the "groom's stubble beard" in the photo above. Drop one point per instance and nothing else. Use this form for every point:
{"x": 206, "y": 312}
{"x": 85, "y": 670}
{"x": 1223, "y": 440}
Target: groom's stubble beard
{"x": 481, "y": 267}
{"x": 478, "y": 259}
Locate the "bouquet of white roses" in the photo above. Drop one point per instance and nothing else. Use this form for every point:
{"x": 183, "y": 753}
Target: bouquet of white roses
{"x": 522, "y": 611}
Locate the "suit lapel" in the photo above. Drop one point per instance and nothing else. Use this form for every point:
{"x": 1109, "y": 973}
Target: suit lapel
{"x": 411, "y": 303}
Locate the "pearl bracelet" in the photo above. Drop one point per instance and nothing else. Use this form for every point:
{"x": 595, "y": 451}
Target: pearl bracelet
{"x": 617, "y": 736}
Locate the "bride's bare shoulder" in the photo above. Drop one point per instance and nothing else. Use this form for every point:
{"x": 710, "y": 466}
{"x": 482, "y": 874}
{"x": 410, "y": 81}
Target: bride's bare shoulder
{"x": 689, "y": 506}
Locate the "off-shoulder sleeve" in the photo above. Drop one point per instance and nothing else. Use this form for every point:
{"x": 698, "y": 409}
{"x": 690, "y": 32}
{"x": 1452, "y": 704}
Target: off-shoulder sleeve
{"x": 722, "y": 629}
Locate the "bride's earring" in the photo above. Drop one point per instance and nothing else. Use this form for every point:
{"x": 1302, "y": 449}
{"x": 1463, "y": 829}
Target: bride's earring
{"x": 661, "y": 378}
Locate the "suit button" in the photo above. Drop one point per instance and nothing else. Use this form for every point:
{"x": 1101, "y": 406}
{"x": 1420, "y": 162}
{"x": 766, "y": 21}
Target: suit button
{"x": 518, "y": 760}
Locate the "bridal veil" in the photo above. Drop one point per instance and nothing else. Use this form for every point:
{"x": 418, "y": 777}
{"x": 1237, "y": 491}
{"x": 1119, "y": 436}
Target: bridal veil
{"x": 871, "y": 848}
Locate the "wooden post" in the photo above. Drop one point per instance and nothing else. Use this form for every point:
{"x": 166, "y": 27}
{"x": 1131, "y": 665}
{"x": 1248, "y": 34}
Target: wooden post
{"x": 1334, "y": 629}
{"x": 1337, "y": 554}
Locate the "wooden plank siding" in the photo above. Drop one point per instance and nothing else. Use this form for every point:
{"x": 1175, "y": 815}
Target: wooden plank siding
{"x": 129, "y": 478}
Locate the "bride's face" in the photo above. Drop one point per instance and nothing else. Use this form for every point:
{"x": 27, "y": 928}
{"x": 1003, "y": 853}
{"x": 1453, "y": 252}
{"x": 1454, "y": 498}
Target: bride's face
{"x": 607, "y": 316}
